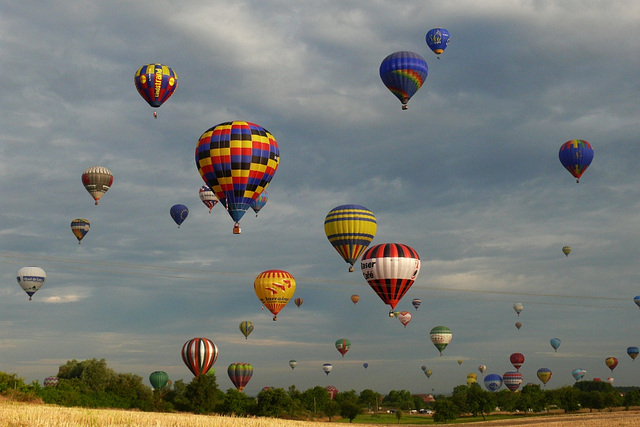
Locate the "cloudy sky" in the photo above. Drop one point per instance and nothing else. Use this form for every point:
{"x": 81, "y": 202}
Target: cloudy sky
{"x": 468, "y": 176}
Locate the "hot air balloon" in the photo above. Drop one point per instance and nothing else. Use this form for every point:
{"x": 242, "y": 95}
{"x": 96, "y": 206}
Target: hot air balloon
{"x": 512, "y": 380}
{"x": 637, "y": 300}
{"x": 576, "y": 156}
{"x": 482, "y": 369}
{"x": 240, "y": 374}
{"x": 332, "y": 391}
{"x": 355, "y": 298}
{"x": 578, "y": 373}
{"x": 79, "y": 228}
{"x": 298, "y": 301}
{"x": 428, "y": 373}
{"x": 610, "y": 380}
{"x": 259, "y": 202}
{"x": 366, "y": 365}
{"x": 416, "y": 302}
{"x": 459, "y": 361}
{"x": 555, "y": 343}
{"x": 208, "y": 197}
{"x": 633, "y": 352}
{"x": 424, "y": 368}
{"x": 343, "y": 345}
{"x": 179, "y": 213}
{"x": 293, "y": 364}
{"x": 472, "y": 378}
{"x": 544, "y": 375}
{"x": 404, "y": 318}
{"x": 237, "y": 160}
{"x": 611, "y": 362}
{"x": 155, "y": 83}
{"x": 390, "y": 269}
{"x": 403, "y": 73}
{"x": 438, "y": 40}
{"x": 31, "y": 279}
{"x": 246, "y": 328}
{"x": 493, "y": 382}
{"x": 327, "y": 367}
{"x": 517, "y": 307}
{"x": 440, "y": 337}
{"x": 518, "y": 325}
{"x": 350, "y": 229}
{"x": 566, "y": 250}
{"x": 274, "y": 288}
{"x": 97, "y": 180}
{"x": 51, "y": 381}
{"x": 199, "y": 354}
{"x": 516, "y": 359}
{"x": 597, "y": 379}
{"x": 159, "y": 380}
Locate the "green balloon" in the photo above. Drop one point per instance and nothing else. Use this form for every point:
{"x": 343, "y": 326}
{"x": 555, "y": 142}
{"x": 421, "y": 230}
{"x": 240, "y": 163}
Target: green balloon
{"x": 159, "y": 380}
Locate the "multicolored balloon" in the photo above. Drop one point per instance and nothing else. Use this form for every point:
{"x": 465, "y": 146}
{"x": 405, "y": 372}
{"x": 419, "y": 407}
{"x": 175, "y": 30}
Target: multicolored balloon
{"x": 438, "y": 40}
{"x": 80, "y": 228}
{"x": 404, "y": 73}
{"x": 97, "y": 180}
{"x": 355, "y": 298}
{"x": 578, "y": 373}
{"x": 246, "y": 327}
{"x": 517, "y": 307}
{"x": 555, "y": 343}
{"x": 576, "y": 156}
{"x": 259, "y": 202}
{"x": 332, "y": 391}
{"x": 493, "y": 382}
{"x": 390, "y": 269}
{"x": 544, "y": 375}
{"x": 298, "y": 302}
{"x": 637, "y": 300}
{"x": 350, "y": 229}
{"x": 179, "y": 213}
{"x": 440, "y": 337}
{"x": 516, "y": 359}
{"x": 31, "y": 279}
{"x": 566, "y": 250}
{"x": 199, "y": 354}
{"x": 482, "y": 369}
{"x": 343, "y": 345}
{"x": 51, "y": 381}
{"x": 155, "y": 83}
{"x": 159, "y": 380}
{"x": 610, "y": 380}
{"x": 237, "y": 160}
{"x": 611, "y": 362}
{"x": 274, "y": 288}
{"x": 208, "y": 197}
{"x": 512, "y": 380}
{"x": 416, "y": 302}
{"x": 327, "y": 367}
{"x": 404, "y": 317}
{"x": 428, "y": 373}
{"x": 240, "y": 373}
{"x": 293, "y": 364}
{"x": 633, "y": 352}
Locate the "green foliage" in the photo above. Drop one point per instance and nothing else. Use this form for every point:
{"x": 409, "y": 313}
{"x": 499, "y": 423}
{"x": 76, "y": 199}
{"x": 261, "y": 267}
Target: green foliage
{"x": 202, "y": 394}
{"x": 236, "y": 403}
{"x": 445, "y": 410}
{"x": 314, "y": 399}
{"x": 631, "y": 398}
{"x": 274, "y": 402}
{"x": 531, "y": 398}
{"x": 177, "y": 396}
{"x": 370, "y": 399}
{"x": 399, "y": 399}
{"x": 480, "y": 401}
{"x": 331, "y": 409}
{"x": 567, "y": 398}
{"x": 350, "y": 410}
{"x": 13, "y": 387}
{"x": 600, "y": 386}
{"x": 399, "y": 415}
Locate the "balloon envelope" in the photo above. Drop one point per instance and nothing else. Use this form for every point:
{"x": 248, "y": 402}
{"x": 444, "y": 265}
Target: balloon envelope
{"x": 274, "y": 288}
{"x": 576, "y": 156}
{"x": 512, "y": 380}
{"x": 516, "y": 359}
{"x": 544, "y": 375}
{"x": 51, "y": 381}
{"x": 159, "y": 380}
{"x": 518, "y": 325}
{"x": 403, "y": 73}
{"x": 440, "y": 337}
{"x": 366, "y": 365}
{"x": 493, "y": 382}
{"x": 566, "y": 250}
{"x": 350, "y": 229}
{"x": 179, "y": 213}
{"x": 482, "y": 369}
{"x": 343, "y": 345}
{"x": 355, "y": 298}
{"x": 428, "y": 373}
{"x": 438, "y": 40}
{"x": 246, "y": 328}
{"x": 637, "y": 300}
{"x": 416, "y": 302}
{"x": 79, "y": 228}
{"x": 208, "y": 197}
{"x": 199, "y": 354}
{"x": 578, "y": 373}
{"x": 240, "y": 374}
{"x": 517, "y": 307}
{"x": 298, "y": 301}
{"x": 633, "y": 352}
{"x": 97, "y": 180}
{"x": 31, "y": 279}
{"x": 237, "y": 160}
{"x": 390, "y": 269}
{"x": 327, "y": 367}
{"x": 404, "y": 318}
{"x": 555, "y": 343}
{"x": 472, "y": 378}
{"x": 611, "y": 363}
{"x": 259, "y": 202}
{"x": 332, "y": 391}
{"x": 155, "y": 83}
{"x": 293, "y": 363}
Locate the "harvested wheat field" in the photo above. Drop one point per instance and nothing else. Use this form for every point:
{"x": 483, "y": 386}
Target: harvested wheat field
{"x": 16, "y": 414}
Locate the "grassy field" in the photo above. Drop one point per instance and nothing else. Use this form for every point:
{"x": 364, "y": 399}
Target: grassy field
{"x": 17, "y": 414}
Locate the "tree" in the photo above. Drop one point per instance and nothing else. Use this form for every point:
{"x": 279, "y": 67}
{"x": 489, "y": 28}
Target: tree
{"x": 399, "y": 415}
{"x": 506, "y": 400}
{"x": 370, "y": 399}
{"x": 631, "y": 398}
{"x": 274, "y": 402}
{"x": 315, "y": 398}
{"x": 350, "y": 410}
{"x": 176, "y": 396}
{"x": 202, "y": 394}
{"x": 531, "y": 398}
{"x": 567, "y": 398}
{"x": 331, "y": 409}
{"x": 93, "y": 374}
{"x": 445, "y": 410}
{"x": 235, "y": 403}
{"x": 459, "y": 399}
{"x": 480, "y": 401}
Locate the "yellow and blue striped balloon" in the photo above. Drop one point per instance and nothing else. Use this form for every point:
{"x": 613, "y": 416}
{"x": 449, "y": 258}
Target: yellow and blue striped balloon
{"x": 350, "y": 229}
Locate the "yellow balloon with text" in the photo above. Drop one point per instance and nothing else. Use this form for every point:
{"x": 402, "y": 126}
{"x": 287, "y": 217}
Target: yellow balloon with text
{"x": 274, "y": 288}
